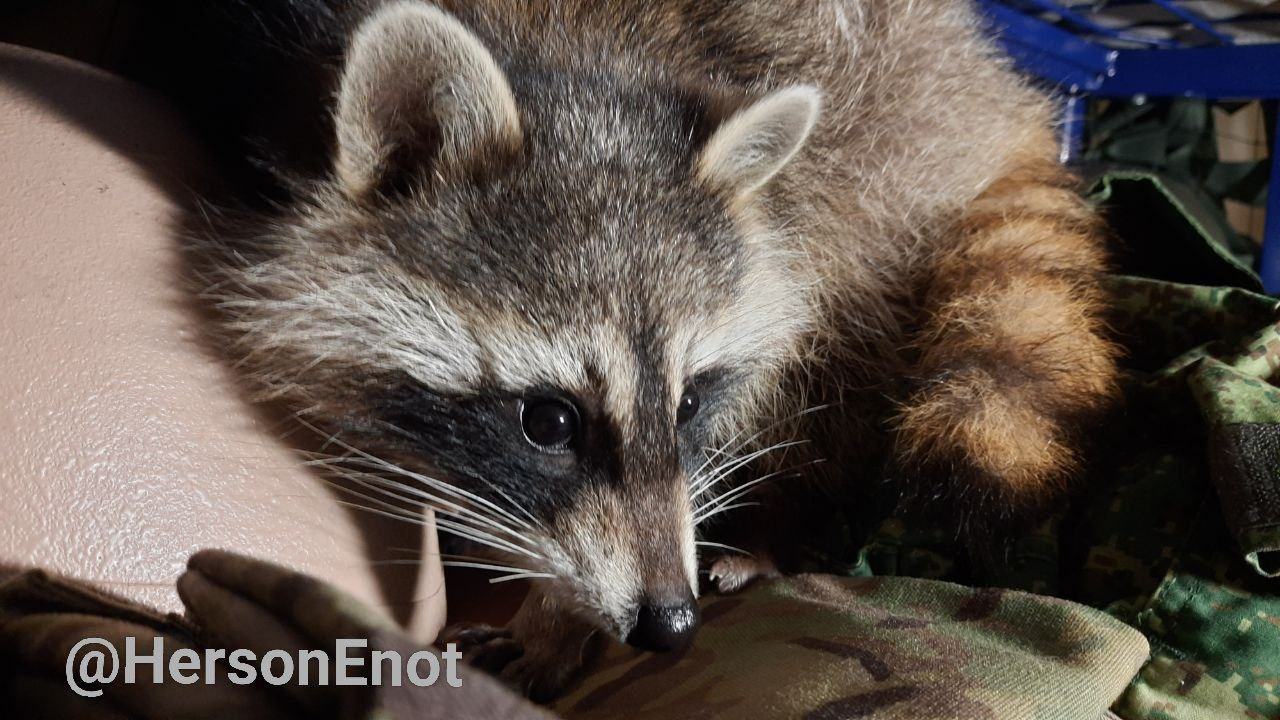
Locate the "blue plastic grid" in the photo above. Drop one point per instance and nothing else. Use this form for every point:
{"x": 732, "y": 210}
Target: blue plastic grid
{"x": 1166, "y": 48}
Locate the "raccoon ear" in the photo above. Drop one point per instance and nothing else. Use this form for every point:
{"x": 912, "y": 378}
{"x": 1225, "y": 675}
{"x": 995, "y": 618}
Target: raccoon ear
{"x": 756, "y": 142}
{"x": 418, "y": 86}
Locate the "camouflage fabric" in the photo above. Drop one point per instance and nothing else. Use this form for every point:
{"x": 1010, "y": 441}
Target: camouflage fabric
{"x": 1178, "y": 533}
{"x": 820, "y": 647}
{"x": 1212, "y": 618}
{"x": 232, "y": 602}
{"x": 810, "y": 646}
{"x": 1225, "y": 348}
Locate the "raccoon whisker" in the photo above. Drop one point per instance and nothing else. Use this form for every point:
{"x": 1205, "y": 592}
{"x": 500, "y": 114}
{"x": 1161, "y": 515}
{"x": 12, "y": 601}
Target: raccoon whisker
{"x": 728, "y": 496}
{"x": 730, "y": 468}
{"x": 767, "y": 428}
{"x": 713, "y": 453}
{"x": 722, "y": 546}
{"x": 422, "y": 498}
{"x": 724, "y": 509}
{"x": 709, "y": 477}
{"x": 385, "y": 486}
{"x": 483, "y": 538}
{"x": 726, "y": 469}
{"x": 442, "y": 525}
{"x": 412, "y": 437}
{"x": 429, "y": 481}
{"x": 457, "y": 511}
{"x": 328, "y": 438}
{"x": 737, "y": 491}
{"x": 389, "y": 507}
{"x": 449, "y": 490}
{"x": 485, "y": 559}
{"x": 792, "y": 471}
{"x": 761, "y": 429}
{"x": 385, "y": 513}
{"x": 736, "y": 460}
{"x": 724, "y": 448}
{"x": 385, "y": 509}
{"x": 515, "y": 505}
{"x": 520, "y": 576}
{"x": 451, "y": 558}
{"x": 393, "y": 468}
{"x": 291, "y": 427}
{"x": 523, "y": 510}
{"x": 456, "y": 526}
{"x": 489, "y": 566}
{"x": 453, "y": 527}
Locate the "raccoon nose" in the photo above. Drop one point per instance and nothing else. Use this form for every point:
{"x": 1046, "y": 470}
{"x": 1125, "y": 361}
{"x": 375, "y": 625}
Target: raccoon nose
{"x": 665, "y": 626}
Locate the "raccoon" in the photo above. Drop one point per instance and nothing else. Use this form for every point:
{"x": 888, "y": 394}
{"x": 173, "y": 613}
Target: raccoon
{"x": 582, "y": 275}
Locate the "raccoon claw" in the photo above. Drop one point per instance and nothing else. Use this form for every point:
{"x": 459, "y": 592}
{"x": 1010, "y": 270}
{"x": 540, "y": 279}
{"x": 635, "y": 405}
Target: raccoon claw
{"x": 538, "y": 676}
{"x": 471, "y": 634}
{"x": 483, "y": 646}
{"x": 497, "y": 655}
{"x": 731, "y": 573}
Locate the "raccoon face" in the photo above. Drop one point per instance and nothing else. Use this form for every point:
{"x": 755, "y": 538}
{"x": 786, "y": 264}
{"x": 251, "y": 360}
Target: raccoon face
{"x": 553, "y": 292}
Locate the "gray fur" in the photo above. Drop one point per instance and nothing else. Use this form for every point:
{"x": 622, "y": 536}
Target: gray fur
{"x": 610, "y": 200}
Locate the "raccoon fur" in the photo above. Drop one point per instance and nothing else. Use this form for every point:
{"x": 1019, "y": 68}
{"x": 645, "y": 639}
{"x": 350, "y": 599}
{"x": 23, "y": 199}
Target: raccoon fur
{"x": 577, "y": 273}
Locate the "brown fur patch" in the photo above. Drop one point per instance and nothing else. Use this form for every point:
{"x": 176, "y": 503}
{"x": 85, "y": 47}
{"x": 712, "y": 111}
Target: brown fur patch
{"x": 1011, "y": 357}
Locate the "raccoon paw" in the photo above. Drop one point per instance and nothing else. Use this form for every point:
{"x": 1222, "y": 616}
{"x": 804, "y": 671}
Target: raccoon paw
{"x": 539, "y": 678}
{"x": 731, "y": 573}
{"x": 483, "y": 646}
{"x": 539, "y": 670}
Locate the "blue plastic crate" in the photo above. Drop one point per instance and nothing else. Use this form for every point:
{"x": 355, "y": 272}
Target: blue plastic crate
{"x": 1152, "y": 48}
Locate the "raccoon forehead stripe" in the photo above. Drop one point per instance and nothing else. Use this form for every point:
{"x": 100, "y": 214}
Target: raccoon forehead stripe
{"x": 617, "y": 363}
{"x": 521, "y": 356}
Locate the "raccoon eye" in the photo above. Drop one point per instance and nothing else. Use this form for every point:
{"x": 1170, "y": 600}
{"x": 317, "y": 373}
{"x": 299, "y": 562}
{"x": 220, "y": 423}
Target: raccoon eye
{"x": 548, "y": 424}
{"x": 687, "y": 407}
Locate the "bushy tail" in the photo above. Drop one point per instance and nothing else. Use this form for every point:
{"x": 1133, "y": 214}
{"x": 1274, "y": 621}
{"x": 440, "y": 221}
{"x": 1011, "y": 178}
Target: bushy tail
{"x": 1012, "y": 360}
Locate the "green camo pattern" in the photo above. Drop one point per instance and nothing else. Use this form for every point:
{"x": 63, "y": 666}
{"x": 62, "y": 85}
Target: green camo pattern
{"x": 1213, "y": 621}
{"x": 822, "y": 647}
{"x": 1179, "y": 532}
